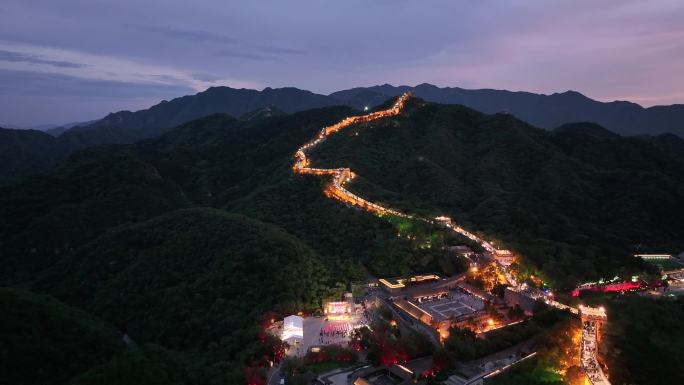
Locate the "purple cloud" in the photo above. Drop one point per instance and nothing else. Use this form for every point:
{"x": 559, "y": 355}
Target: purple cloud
{"x": 613, "y": 49}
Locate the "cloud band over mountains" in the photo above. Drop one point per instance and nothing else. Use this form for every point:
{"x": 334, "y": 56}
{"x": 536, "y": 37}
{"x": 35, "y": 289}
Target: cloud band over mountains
{"x": 614, "y": 49}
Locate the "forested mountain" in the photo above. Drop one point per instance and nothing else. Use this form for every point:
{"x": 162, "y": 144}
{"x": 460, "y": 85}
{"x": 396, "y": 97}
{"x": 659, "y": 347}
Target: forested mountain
{"x": 108, "y": 220}
{"x": 545, "y": 111}
{"x": 26, "y": 152}
{"x": 57, "y": 130}
{"x": 575, "y": 201}
{"x": 125, "y": 127}
{"x": 192, "y": 281}
{"x": 642, "y": 344}
{"x": 45, "y": 341}
{"x": 129, "y": 127}
{"x": 262, "y": 113}
{"x": 184, "y": 240}
{"x": 495, "y": 173}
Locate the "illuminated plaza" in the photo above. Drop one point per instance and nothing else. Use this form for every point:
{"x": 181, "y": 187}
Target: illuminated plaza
{"x": 334, "y": 327}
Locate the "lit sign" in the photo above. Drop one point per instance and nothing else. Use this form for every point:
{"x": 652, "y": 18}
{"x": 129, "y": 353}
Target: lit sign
{"x": 338, "y": 307}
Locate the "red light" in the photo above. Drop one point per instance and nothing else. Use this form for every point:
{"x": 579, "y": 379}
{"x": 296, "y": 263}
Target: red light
{"x": 611, "y": 287}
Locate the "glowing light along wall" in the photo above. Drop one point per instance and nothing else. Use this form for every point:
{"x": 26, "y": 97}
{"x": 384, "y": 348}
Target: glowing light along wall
{"x": 335, "y": 188}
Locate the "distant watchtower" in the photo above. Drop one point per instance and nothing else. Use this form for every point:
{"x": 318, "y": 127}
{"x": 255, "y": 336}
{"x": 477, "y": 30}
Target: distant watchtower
{"x": 594, "y": 318}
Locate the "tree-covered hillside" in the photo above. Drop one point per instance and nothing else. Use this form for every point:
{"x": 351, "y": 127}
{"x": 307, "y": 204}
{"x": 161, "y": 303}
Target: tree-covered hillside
{"x": 150, "y": 365}
{"x": 215, "y": 161}
{"x": 104, "y": 233}
{"x": 26, "y": 152}
{"x": 192, "y": 281}
{"x": 643, "y": 340}
{"x": 128, "y": 126}
{"x": 575, "y": 202}
{"x": 37, "y": 155}
{"x": 544, "y": 111}
{"x": 29, "y": 152}
{"x": 185, "y": 240}
{"x": 47, "y": 342}
{"x": 206, "y": 163}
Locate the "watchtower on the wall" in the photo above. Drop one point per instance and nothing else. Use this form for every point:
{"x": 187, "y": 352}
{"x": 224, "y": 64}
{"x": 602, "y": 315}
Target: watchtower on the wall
{"x": 594, "y": 317}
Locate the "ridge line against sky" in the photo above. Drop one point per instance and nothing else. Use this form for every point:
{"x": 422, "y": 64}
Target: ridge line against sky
{"x": 78, "y": 59}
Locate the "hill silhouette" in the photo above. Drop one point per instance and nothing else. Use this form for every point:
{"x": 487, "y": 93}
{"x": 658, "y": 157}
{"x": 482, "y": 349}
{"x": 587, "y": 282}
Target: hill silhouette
{"x": 26, "y": 152}
{"x": 125, "y": 127}
{"x": 545, "y": 111}
{"x": 129, "y": 127}
{"x": 189, "y": 280}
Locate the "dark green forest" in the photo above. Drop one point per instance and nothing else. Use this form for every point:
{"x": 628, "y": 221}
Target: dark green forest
{"x": 154, "y": 239}
{"x": 644, "y": 340}
{"x": 46, "y": 341}
{"x": 576, "y": 203}
{"x": 184, "y": 241}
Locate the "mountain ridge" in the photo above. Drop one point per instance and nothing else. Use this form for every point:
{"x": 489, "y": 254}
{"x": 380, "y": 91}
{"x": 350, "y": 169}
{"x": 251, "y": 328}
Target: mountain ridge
{"x": 541, "y": 110}
{"x": 487, "y": 100}
{"x": 131, "y": 126}
{"x": 125, "y": 127}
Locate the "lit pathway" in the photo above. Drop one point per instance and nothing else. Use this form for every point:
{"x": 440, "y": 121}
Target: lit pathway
{"x": 335, "y": 189}
{"x": 590, "y": 364}
{"x": 593, "y": 320}
{"x": 340, "y": 176}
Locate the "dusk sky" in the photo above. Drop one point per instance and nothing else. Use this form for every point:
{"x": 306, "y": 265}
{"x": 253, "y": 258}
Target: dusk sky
{"x": 75, "y": 60}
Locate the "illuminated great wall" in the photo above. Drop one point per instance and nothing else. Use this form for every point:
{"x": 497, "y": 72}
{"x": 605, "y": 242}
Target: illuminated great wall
{"x": 340, "y": 176}
{"x": 335, "y": 188}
